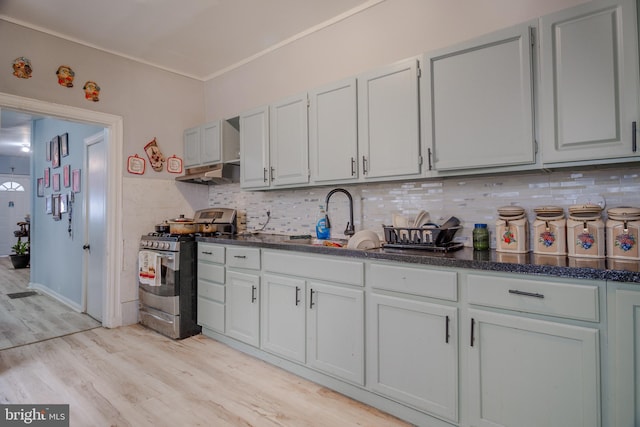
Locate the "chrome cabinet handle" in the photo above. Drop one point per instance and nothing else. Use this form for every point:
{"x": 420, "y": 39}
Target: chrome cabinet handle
{"x": 264, "y": 175}
{"x": 353, "y": 166}
{"x": 253, "y": 294}
{"x": 297, "y": 295}
{"x": 207, "y": 253}
{"x": 446, "y": 330}
{"x": 634, "y": 137}
{"x": 240, "y": 256}
{"x": 311, "y": 299}
{"x": 273, "y": 170}
{"x": 526, "y": 294}
{"x": 473, "y": 327}
{"x": 364, "y": 165}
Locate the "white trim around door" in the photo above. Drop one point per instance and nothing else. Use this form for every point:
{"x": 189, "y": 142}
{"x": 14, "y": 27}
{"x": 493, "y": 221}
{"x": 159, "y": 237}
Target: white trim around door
{"x": 112, "y": 310}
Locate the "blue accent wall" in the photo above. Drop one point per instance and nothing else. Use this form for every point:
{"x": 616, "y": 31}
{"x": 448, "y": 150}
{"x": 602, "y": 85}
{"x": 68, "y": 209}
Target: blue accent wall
{"x": 57, "y": 255}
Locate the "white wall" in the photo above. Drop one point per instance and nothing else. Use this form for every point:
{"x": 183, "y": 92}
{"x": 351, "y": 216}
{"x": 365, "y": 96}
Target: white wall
{"x": 388, "y": 32}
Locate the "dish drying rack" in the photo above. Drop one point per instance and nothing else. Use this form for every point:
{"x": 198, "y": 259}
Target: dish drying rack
{"x": 428, "y": 238}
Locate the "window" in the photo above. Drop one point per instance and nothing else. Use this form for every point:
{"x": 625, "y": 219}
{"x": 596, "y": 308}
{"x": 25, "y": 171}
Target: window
{"x": 11, "y": 186}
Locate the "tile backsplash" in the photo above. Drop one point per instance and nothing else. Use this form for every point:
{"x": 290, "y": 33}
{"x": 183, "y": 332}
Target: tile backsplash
{"x": 473, "y": 199}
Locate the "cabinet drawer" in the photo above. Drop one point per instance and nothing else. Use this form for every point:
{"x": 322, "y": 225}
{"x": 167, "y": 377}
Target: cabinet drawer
{"x": 316, "y": 267}
{"x": 417, "y": 281}
{"x": 212, "y": 291}
{"x": 211, "y": 253}
{"x": 211, "y": 315}
{"x": 243, "y": 258}
{"x": 211, "y": 272}
{"x": 533, "y": 296}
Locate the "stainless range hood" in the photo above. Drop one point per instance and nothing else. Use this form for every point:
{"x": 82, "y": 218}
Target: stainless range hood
{"x": 222, "y": 173}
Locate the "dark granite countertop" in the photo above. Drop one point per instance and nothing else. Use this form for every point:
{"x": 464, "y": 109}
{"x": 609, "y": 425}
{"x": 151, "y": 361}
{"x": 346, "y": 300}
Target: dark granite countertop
{"x": 546, "y": 265}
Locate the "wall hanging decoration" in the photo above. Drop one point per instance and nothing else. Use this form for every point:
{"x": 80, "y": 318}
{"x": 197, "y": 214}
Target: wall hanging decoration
{"x": 63, "y": 203}
{"x": 56, "y": 182}
{"x": 48, "y": 204}
{"x": 46, "y": 177}
{"x": 136, "y": 165}
{"x": 65, "y": 76}
{"x": 40, "y": 187}
{"x": 91, "y": 91}
{"x": 22, "y": 68}
{"x": 47, "y": 149}
{"x": 57, "y": 215}
{"x": 75, "y": 180}
{"x": 64, "y": 145}
{"x": 174, "y": 164}
{"x": 66, "y": 175}
{"x": 55, "y": 152}
{"x": 155, "y": 155}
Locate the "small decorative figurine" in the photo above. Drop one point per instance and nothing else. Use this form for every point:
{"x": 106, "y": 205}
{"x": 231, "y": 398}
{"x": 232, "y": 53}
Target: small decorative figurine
{"x": 22, "y": 68}
{"x": 91, "y": 91}
{"x": 155, "y": 155}
{"x": 65, "y": 76}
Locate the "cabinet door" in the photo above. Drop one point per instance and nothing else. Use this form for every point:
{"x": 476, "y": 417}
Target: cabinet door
{"x": 530, "y": 373}
{"x": 627, "y": 358}
{"x": 333, "y": 132}
{"x": 413, "y": 353}
{"x": 210, "y": 149}
{"x": 478, "y": 102}
{"x": 283, "y": 316}
{"x": 289, "y": 141}
{"x": 589, "y": 96}
{"x": 388, "y": 121}
{"x": 191, "y": 141}
{"x": 242, "y": 307}
{"x": 254, "y": 148}
{"x": 335, "y": 331}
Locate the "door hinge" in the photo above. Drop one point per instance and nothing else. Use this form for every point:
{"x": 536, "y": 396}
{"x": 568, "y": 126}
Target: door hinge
{"x": 420, "y": 160}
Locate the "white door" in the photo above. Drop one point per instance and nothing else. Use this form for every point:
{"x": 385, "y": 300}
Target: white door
{"x": 95, "y": 178}
{"x": 14, "y": 206}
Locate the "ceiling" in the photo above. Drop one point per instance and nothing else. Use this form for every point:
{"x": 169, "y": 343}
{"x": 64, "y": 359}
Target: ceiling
{"x": 200, "y": 39}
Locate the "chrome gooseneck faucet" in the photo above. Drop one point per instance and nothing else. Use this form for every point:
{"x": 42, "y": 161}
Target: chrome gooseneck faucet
{"x": 349, "y": 231}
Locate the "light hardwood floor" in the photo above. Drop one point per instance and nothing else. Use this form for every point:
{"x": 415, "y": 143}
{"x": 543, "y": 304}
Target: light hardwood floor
{"x": 34, "y": 318}
{"x": 132, "y": 376}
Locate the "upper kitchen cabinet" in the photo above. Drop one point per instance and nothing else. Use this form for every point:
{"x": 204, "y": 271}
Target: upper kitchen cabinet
{"x": 589, "y": 83}
{"x": 254, "y": 148}
{"x": 333, "y": 132}
{"x": 212, "y": 143}
{"x": 289, "y": 141}
{"x": 478, "y": 103}
{"x": 389, "y": 122}
{"x": 274, "y": 145}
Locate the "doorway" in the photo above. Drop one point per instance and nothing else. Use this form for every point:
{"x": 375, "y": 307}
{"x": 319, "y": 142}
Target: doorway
{"x": 111, "y": 308}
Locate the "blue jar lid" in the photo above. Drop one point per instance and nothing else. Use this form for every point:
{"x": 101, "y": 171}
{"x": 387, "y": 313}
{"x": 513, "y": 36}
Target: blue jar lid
{"x": 481, "y": 226}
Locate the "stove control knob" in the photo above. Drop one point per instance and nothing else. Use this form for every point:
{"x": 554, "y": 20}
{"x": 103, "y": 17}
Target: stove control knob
{"x": 143, "y": 243}
{"x": 165, "y": 245}
{"x": 156, "y": 244}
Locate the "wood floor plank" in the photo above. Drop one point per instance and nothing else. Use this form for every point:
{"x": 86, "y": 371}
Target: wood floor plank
{"x": 132, "y": 376}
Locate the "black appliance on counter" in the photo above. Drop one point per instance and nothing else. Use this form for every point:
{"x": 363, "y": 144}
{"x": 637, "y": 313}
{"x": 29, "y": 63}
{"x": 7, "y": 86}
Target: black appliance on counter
{"x": 167, "y": 274}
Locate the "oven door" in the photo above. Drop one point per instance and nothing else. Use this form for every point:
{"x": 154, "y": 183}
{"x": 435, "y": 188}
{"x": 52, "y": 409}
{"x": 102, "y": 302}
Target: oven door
{"x": 169, "y": 275}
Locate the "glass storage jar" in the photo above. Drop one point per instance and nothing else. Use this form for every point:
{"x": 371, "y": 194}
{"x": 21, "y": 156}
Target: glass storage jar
{"x": 480, "y": 237}
{"x": 550, "y": 231}
{"x": 585, "y": 231}
{"x": 623, "y": 226}
{"x": 512, "y": 230}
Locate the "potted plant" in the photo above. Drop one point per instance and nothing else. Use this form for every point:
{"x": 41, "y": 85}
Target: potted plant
{"x": 20, "y": 259}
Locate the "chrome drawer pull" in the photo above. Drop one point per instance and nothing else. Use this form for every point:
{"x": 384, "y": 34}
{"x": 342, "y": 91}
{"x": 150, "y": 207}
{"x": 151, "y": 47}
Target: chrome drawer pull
{"x": 207, "y": 253}
{"x": 526, "y": 294}
{"x": 240, "y": 256}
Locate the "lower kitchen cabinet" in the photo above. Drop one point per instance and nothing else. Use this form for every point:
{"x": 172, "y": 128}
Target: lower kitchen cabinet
{"x": 412, "y": 353}
{"x": 283, "y": 316}
{"x": 626, "y": 360}
{"x": 527, "y": 372}
{"x": 211, "y": 288}
{"x": 335, "y": 330}
{"x": 242, "y": 315}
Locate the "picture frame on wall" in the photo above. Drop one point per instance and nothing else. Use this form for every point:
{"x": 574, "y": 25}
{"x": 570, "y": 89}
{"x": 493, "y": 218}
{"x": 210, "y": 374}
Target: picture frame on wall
{"x": 48, "y": 204}
{"x": 57, "y": 214}
{"x": 75, "y": 180}
{"x": 40, "y": 187}
{"x": 64, "y": 145}
{"x": 47, "y": 150}
{"x": 47, "y": 182}
{"x": 64, "y": 203}
{"x": 66, "y": 176}
{"x": 56, "y": 182}
{"x": 55, "y": 152}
